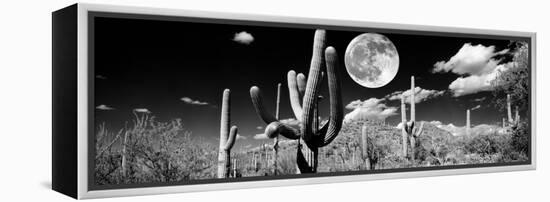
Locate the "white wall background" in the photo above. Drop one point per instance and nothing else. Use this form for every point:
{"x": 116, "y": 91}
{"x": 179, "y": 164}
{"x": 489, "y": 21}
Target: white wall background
{"x": 25, "y": 94}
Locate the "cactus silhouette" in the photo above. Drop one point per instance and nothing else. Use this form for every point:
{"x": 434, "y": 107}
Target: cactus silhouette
{"x": 409, "y": 128}
{"x": 310, "y": 138}
{"x": 367, "y": 156}
{"x": 467, "y": 122}
{"x": 276, "y": 139}
{"x": 227, "y": 137}
{"x": 511, "y": 120}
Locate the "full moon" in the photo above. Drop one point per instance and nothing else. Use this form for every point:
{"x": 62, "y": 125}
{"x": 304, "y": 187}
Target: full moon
{"x": 371, "y": 60}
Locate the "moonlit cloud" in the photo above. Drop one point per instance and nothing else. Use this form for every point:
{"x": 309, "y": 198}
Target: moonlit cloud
{"x": 100, "y": 77}
{"x": 260, "y": 136}
{"x": 479, "y": 99}
{"x": 475, "y": 108}
{"x": 476, "y": 66}
{"x": 371, "y": 109}
{"x": 476, "y": 83}
{"x": 259, "y": 127}
{"x": 243, "y": 38}
{"x": 240, "y": 137}
{"x": 472, "y": 60}
{"x": 192, "y": 102}
{"x": 104, "y": 107}
{"x": 420, "y": 95}
{"x": 142, "y": 110}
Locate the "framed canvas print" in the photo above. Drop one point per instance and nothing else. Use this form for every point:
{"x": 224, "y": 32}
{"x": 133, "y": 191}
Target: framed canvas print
{"x": 149, "y": 101}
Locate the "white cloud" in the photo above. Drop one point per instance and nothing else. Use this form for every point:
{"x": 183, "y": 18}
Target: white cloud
{"x": 104, "y": 107}
{"x": 420, "y": 95}
{"x": 260, "y": 136}
{"x": 190, "y": 101}
{"x": 471, "y": 60}
{"x": 371, "y": 109}
{"x": 240, "y": 137}
{"x": 475, "y": 108}
{"x": 259, "y": 127}
{"x": 243, "y": 38}
{"x": 399, "y": 126}
{"x": 479, "y": 99}
{"x": 142, "y": 110}
{"x": 476, "y": 83}
{"x": 476, "y": 66}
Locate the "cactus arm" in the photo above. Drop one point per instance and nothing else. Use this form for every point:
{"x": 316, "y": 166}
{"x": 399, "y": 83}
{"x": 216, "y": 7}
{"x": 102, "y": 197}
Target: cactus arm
{"x": 275, "y": 128}
{"x": 419, "y": 130}
{"x": 256, "y": 96}
{"x": 312, "y": 88}
{"x": 301, "y": 79}
{"x": 231, "y": 139}
{"x": 294, "y": 94}
{"x": 335, "y": 94}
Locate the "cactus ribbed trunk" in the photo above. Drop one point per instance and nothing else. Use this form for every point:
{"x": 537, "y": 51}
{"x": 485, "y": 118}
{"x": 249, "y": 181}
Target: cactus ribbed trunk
{"x": 413, "y": 109}
{"x": 227, "y": 137}
{"x": 516, "y": 118}
{"x": 307, "y": 158}
{"x": 364, "y": 148}
{"x": 276, "y": 140}
{"x": 413, "y": 148}
{"x": 467, "y": 122}
{"x": 509, "y": 108}
{"x": 255, "y": 163}
{"x": 403, "y": 125}
{"x": 124, "y": 155}
{"x": 235, "y": 168}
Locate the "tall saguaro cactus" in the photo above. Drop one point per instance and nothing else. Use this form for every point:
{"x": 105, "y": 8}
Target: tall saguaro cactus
{"x": 509, "y": 109}
{"x": 276, "y": 139}
{"x": 409, "y": 128}
{"x": 367, "y": 157}
{"x": 467, "y": 122}
{"x": 511, "y": 120}
{"x": 309, "y": 137}
{"x": 125, "y": 155}
{"x": 227, "y": 137}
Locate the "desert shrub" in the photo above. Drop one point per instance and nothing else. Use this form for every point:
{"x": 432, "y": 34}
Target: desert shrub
{"x": 520, "y": 138}
{"x": 155, "y": 152}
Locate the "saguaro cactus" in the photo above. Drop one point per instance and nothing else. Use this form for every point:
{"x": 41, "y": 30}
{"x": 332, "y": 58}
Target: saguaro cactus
{"x": 367, "y": 157}
{"x": 467, "y": 122}
{"x": 227, "y": 137}
{"x": 516, "y": 118}
{"x": 511, "y": 120}
{"x": 310, "y": 139}
{"x": 410, "y": 128}
{"x": 125, "y": 155}
{"x": 276, "y": 139}
{"x": 509, "y": 109}
{"x": 404, "y": 134}
{"x": 235, "y": 167}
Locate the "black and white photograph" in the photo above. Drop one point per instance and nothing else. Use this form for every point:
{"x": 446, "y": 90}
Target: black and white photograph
{"x": 189, "y": 101}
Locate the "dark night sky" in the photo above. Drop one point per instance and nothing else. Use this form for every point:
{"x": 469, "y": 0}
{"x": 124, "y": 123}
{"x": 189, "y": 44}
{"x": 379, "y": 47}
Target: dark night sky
{"x": 153, "y": 64}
